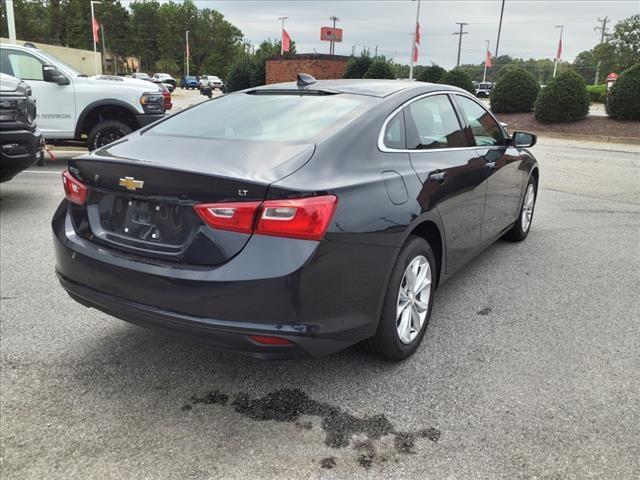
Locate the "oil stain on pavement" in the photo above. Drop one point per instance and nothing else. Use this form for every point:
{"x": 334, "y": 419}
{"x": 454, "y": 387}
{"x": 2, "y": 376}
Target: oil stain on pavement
{"x": 288, "y": 405}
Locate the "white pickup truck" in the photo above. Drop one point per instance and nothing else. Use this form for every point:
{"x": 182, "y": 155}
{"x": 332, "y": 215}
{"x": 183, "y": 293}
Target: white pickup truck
{"x": 75, "y": 107}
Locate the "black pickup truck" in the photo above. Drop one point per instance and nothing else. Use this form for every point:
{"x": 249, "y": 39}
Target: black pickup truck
{"x": 20, "y": 139}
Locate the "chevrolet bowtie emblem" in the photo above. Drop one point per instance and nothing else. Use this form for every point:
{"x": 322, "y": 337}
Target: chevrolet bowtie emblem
{"x": 130, "y": 183}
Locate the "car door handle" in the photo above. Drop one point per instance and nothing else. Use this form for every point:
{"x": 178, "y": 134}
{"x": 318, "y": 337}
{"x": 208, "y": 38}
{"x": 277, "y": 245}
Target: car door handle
{"x": 439, "y": 177}
{"x": 490, "y": 165}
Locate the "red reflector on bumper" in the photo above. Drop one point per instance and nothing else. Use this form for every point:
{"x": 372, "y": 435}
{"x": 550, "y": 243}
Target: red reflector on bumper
{"x": 265, "y": 340}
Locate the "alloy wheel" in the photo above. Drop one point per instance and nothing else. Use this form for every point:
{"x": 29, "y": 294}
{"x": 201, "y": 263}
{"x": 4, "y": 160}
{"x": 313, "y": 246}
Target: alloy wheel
{"x": 527, "y": 208}
{"x": 413, "y": 299}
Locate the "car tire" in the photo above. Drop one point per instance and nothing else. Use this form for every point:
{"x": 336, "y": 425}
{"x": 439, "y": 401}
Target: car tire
{"x": 521, "y": 228}
{"x": 106, "y": 132}
{"x": 392, "y": 341}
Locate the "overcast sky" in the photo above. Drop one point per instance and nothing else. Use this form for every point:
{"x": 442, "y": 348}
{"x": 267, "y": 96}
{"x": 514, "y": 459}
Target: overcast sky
{"x": 527, "y": 30}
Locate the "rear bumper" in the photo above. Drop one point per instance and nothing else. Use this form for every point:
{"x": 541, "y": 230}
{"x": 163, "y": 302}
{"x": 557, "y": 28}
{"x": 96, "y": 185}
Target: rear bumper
{"x": 310, "y": 293}
{"x": 19, "y": 149}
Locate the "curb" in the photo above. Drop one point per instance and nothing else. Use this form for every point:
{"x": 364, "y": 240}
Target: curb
{"x": 590, "y": 138}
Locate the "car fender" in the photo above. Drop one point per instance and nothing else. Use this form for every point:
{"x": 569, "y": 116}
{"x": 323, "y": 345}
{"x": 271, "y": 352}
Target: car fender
{"x": 111, "y": 102}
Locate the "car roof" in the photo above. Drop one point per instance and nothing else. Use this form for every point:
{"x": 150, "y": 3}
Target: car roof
{"x": 369, "y": 87}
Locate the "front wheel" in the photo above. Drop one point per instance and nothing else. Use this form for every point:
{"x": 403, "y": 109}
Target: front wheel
{"x": 521, "y": 228}
{"x": 107, "y": 132}
{"x": 407, "y": 304}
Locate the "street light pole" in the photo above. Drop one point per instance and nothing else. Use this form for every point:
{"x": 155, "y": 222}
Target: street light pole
{"x": 95, "y": 49}
{"x": 282, "y": 34}
{"x": 555, "y": 64}
{"x": 11, "y": 22}
{"x": 186, "y": 52}
{"x": 413, "y": 41}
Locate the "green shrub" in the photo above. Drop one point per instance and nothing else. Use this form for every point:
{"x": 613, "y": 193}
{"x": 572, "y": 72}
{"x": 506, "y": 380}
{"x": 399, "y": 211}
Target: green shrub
{"x": 357, "y": 66}
{"x": 458, "y": 78}
{"x": 241, "y": 75}
{"x": 597, "y": 93}
{"x": 624, "y": 98}
{"x": 564, "y": 99}
{"x": 380, "y": 69}
{"x": 431, "y": 74}
{"x": 514, "y": 92}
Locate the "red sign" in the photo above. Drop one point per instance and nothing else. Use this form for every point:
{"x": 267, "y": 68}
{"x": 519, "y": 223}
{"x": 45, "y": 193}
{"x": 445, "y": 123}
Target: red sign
{"x": 612, "y": 77}
{"x": 327, "y": 34}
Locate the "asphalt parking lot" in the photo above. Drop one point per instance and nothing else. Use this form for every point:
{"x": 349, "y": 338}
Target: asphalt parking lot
{"x": 529, "y": 368}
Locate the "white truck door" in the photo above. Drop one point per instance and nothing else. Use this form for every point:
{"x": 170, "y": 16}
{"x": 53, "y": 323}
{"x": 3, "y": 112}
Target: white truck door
{"x": 56, "y": 105}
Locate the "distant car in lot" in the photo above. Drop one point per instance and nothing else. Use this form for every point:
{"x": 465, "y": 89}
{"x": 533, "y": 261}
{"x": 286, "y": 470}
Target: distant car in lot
{"x": 20, "y": 139}
{"x": 483, "y": 89}
{"x": 140, "y": 75}
{"x": 209, "y": 83}
{"x": 189, "y": 82}
{"x": 165, "y": 78}
{"x": 312, "y": 216}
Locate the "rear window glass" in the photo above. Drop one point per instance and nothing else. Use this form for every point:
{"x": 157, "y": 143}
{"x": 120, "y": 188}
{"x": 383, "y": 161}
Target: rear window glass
{"x": 263, "y": 117}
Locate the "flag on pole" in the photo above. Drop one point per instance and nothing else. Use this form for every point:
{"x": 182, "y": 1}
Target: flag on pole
{"x": 286, "y": 41}
{"x": 95, "y": 27}
{"x": 487, "y": 60}
{"x": 559, "y": 53}
{"x": 417, "y": 33}
{"x": 415, "y": 53}
{"x": 416, "y": 42}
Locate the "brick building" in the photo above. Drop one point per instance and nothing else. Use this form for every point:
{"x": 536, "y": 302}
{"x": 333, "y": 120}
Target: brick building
{"x": 321, "y": 66}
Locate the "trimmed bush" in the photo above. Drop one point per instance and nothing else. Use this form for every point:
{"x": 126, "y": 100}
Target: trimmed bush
{"x": 431, "y": 74}
{"x": 357, "y": 66}
{"x": 458, "y": 78}
{"x": 564, "y": 99}
{"x": 624, "y": 99}
{"x": 380, "y": 69}
{"x": 514, "y": 92}
{"x": 597, "y": 93}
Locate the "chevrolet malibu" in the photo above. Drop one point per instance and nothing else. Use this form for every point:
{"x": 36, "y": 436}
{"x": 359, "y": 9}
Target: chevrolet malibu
{"x": 294, "y": 219}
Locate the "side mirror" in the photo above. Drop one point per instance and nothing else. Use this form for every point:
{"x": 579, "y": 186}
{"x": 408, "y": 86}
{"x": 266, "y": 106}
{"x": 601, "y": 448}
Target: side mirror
{"x": 523, "y": 140}
{"x": 51, "y": 74}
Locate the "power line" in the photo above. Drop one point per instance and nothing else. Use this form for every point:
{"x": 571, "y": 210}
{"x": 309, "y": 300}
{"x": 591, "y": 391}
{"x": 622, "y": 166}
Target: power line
{"x": 460, "y": 33}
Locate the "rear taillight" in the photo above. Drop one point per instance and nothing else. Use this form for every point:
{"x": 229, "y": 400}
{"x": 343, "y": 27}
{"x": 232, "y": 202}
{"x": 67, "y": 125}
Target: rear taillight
{"x": 75, "y": 191}
{"x": 304, "y": 218}
{"x": 236, "y": 217}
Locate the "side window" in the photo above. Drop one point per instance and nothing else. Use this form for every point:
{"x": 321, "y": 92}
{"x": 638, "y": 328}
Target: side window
{"x": 394, "y": 134}
{"x": 485, "y": 129}
{"x": 432, "y": 123}
{"x": 25, "y": 66}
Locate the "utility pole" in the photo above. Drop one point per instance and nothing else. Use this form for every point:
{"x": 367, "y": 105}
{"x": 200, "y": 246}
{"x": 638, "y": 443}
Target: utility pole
{"x": 282, "y": 19}
{"x": 557, "y": 60}
{"x": 460, "y": 33}
{"x": 11, "y": 22}
{"x": 603, "y": 38}
{"x": 413, "y": 41}
{"x": 499, "y": 30}
{"x": 186, "y": 51}
{"x": 332, "y": 44}
{"x": 95, "y": 49}
{"x": 104, "y": 61}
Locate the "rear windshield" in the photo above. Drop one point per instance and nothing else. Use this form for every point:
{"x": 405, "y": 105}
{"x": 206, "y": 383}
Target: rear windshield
{"x": 265, "y": 117}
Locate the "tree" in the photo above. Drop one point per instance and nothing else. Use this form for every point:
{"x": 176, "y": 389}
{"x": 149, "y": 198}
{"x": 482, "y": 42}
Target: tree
{"x": 564, "y": 99}
{"x": 626, "y": 40}
{"x": 624, "y": 98}
{"x": 380, "y": 69}
{"x": 241, "y": 74}
{"x": 585, "y": 65}
{"x": 458, "y": 78}
{"x": 358, "y": 66}
{"x": 515, "y": 91}
{"x": 431, "y": 74}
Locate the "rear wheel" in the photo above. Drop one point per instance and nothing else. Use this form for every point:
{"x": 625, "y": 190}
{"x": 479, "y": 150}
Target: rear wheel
{"x": 408, "y": 302}
{"x": 521, "y": 228}
{"x": 107, "y": 132}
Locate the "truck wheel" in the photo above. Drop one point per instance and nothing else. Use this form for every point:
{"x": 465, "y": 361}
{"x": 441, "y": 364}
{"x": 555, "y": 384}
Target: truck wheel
{"x": 106, "y": 132}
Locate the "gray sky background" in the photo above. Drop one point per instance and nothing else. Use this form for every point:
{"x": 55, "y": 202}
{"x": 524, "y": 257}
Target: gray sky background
{"x": 527, "y": 30}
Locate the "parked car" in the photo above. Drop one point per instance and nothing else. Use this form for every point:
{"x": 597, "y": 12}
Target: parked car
{"x": 73, "y": 107}
{"x": 211, "y": 81}
{"x": 189, "y": 82}
{"x": 165, "y": 78}
{"x": 20, "y": 139}
{"x": 166, "y": 94}
{"x": 140, "y": 75}
{"x": 310, "y": 217}
{"x": 483, "y": 89}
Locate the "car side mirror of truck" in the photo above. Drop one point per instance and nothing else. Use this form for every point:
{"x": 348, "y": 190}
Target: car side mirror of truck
{"x": 51, "y": 74}
{"x": 523, "y": 139}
